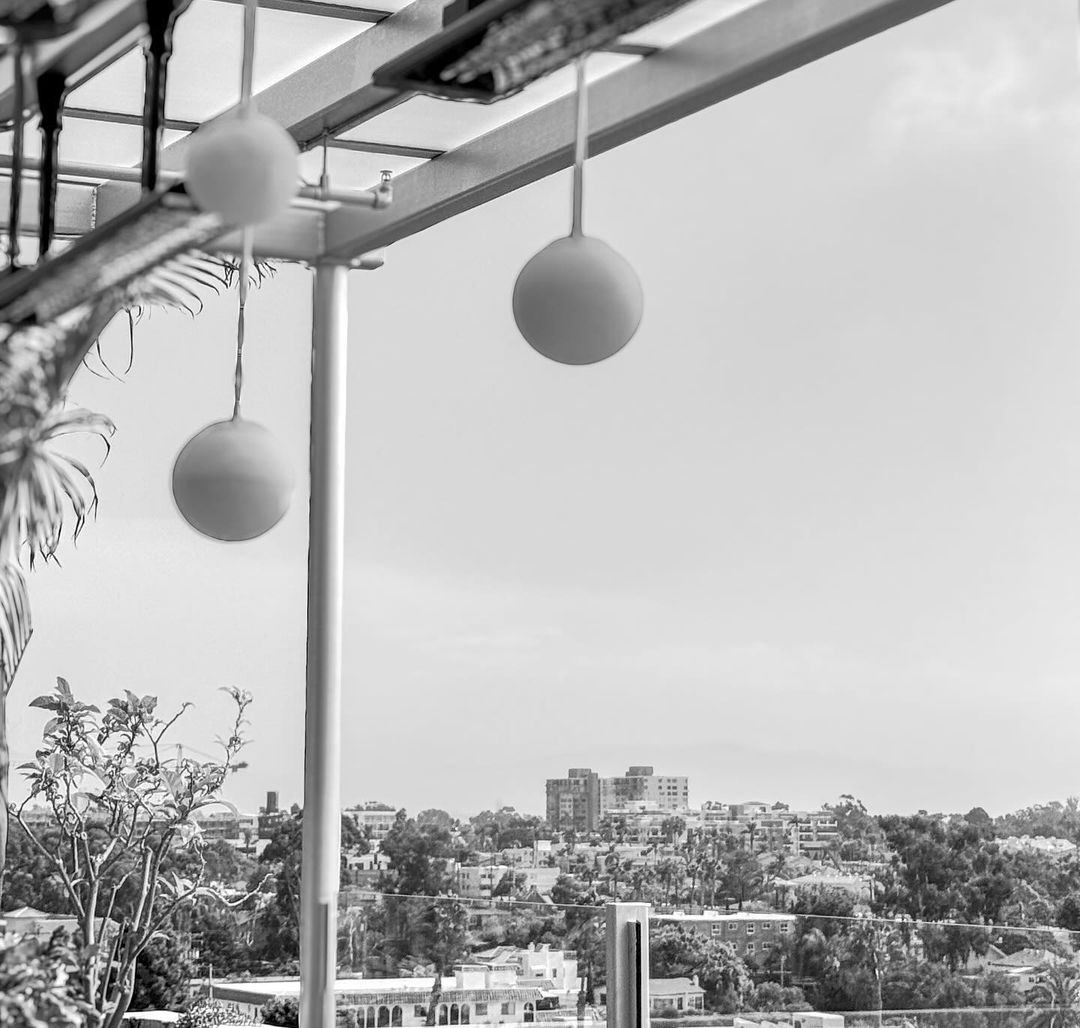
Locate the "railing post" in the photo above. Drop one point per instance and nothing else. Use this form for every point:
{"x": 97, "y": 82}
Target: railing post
{"x": 628, "y": 965}
{"x": 322, "y": 736}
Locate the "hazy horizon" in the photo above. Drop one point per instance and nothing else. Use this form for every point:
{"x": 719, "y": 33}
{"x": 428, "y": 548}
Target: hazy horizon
{"x": 813, "y": 532}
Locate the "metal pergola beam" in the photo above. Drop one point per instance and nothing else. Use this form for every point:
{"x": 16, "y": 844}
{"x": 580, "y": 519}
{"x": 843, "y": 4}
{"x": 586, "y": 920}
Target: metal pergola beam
{"x": 321, "y": 9}
{"x": 334, "y": 91}
{"x": 104, "y": 33}
{"x": 356, "y": 145}
{"x": 754, "y": 46}
{"x": 74, "y": 206}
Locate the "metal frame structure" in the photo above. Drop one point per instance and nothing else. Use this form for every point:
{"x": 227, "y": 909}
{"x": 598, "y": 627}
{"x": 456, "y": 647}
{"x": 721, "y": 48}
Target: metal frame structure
{"x": 334, "y": 94}
{"x": 318, "y": 104}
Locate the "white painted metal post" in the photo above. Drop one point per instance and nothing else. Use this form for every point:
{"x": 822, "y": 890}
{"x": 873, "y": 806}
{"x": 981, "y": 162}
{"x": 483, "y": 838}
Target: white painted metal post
{"x": 322, "y": 720}
{"x": 628, "y": 965}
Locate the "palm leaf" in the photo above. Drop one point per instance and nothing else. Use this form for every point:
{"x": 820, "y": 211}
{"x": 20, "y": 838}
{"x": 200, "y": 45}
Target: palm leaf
{"x": 15, "y": 625}
{"x": 40, "y": 488}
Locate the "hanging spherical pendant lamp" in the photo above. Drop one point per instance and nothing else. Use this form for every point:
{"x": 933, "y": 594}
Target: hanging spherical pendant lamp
{"x": 243, "y": 166}
{"x": 578, "y": 301}
{"x": 231, "y": 481}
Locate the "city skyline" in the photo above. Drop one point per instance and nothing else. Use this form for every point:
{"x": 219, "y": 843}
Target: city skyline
{"x": 813, "y": 532}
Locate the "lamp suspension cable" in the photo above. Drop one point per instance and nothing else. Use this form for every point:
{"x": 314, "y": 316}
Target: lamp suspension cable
{"x": 246, "y": 107}
{"x": 581, "y": 145}
{"x": 15, "y": 197}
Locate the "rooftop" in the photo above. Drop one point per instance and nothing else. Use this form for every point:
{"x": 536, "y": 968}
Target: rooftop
{"x": 673, "y": 987}
{"x": 718, "y": 915}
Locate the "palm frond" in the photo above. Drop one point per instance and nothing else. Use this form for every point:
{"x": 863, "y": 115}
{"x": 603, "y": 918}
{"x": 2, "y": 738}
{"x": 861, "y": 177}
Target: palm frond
{"x": 261, "y": 270}
{"x": 179, "y": 284}
{"x": 176, "y": 284}
{"x": 15, "y": 625}
{"x": 40, "y": 488}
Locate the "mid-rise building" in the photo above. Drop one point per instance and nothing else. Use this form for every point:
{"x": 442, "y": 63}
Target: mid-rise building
{"x": 752, "y": 934}
{"x": 761, "y": 827}
{"x": 375, "y": 819}
{"x": 640, "y": 784}
{"x": 485, "y": 994}
{"x": 582, "y": 799}
{"x": 573, "y": 802}
{"x": 479, "y": 881}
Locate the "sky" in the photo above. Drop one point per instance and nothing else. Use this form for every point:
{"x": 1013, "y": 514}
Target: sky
{"x": 814, "y": 531}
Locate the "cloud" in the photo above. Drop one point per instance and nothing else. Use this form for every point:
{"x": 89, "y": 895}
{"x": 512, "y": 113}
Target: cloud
{"x": 1007, "y": 82}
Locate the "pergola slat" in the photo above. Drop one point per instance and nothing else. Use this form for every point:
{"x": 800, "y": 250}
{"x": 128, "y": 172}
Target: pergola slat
{"x": 754, "y": 46}
{"x": 760, "y": 43}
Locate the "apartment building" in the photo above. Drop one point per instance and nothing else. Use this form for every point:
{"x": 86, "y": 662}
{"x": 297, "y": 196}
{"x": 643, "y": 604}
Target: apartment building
{"x": 642, "y": 785}
{"x": 582, "y": 799}
{"x": 763, "y": 827}
{"x": 374, "y": 818}
{"x": 573, "y": 802}
{"x": 752, "y": 934}
{"x": 487, "y": 994}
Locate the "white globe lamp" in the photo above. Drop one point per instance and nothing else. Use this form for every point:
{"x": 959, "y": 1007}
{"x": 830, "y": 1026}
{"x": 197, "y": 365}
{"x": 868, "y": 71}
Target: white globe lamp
{"x": 231, "y": 481}
{"x": 243, "y": 166}
{"x": 578, "y": 301}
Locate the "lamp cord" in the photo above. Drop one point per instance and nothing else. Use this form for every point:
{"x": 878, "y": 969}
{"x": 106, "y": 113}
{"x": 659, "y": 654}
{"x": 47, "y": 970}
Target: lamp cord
{"x": 16, "y": 156}
{"x": 581, "y": 146}
{"x": 246, "y": 105}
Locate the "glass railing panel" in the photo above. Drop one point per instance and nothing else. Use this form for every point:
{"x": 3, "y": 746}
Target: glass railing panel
{"x": 410, "y": 961}
{"x": 766, "y": 965}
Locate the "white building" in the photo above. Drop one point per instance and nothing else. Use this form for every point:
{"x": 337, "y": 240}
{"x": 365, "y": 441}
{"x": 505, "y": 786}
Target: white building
{"x": 475, "y": 994}
{"x": 752, "y": 934}
{"x": 373, "y": 818}
{"x": 478, "y": 881}
{"x": 554, "y": 967}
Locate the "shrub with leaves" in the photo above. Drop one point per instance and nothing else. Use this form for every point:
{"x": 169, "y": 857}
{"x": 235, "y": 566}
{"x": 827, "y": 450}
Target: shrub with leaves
{"x": 121, "y": 810}
{"x": 207, "y": 1013}
{"x": 40, "y": 984}
{"x": 283, "y": 1011}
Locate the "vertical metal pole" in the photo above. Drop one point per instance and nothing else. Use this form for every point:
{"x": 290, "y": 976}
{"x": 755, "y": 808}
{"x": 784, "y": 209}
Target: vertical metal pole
{"x": 322, "y": 738}
{"x": 627, "y": 965}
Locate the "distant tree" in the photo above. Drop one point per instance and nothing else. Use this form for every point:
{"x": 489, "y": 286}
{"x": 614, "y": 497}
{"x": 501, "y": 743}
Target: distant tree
{"x": 742, "y": 876}
{"x": 673, "y": 828}
{"x": 674, "y": 951}
{"x": 417, "y": 855}
{"x": 437, "y": 818}
{"x": 1069, "y": 912}
{"x": 823, "y": 907}
{"x": 860, "y": 833}
{"x": 162, "y": 973}
{"x": 223, "y": 863}
{"x": 278, "y": 872}
{"x": 724, "y": 977}
{"x": 222, "y": 934}
{"x": 678, "y": 951}
{"x": 770, "y": 996}
{"x": 1057, "y": 996}
{"x": 283, "y": 1011}
{"x": 30, "y": 879}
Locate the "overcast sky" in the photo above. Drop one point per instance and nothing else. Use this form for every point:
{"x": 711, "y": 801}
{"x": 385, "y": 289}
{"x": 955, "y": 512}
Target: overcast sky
{"x": 816, "y": 530}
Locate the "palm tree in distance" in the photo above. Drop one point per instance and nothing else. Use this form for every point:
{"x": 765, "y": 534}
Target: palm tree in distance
{"x": 1057, "y": 997}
